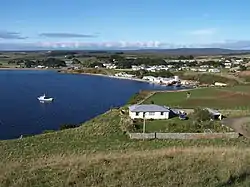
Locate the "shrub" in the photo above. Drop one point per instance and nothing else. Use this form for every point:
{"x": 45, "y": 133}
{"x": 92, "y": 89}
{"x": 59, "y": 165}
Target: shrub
{"x": 138, "y": 97}
{"x": 67, "y": 126}
{"x": 201, "y": 115}
{"x": 48, "y": 131}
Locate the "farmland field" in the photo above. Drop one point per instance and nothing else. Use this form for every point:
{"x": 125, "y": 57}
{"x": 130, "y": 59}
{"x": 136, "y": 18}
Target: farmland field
{"x": 222, "y": 98}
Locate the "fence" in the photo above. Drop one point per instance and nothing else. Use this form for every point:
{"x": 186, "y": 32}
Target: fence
{"x": 182, "y": 136}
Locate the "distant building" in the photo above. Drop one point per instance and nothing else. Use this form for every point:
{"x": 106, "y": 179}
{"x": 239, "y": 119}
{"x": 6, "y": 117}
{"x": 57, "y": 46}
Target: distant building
{"x": 215, "y": 113}
{"x": 122, "y": 74}
{"x": 228, "y": 65}
{"x": 220, "y": 84}
{"x": 40, "y": 66}
{"x": 214, "y": 70}
{"x": 149, "y": 78}
{"x": 202, "y": 70}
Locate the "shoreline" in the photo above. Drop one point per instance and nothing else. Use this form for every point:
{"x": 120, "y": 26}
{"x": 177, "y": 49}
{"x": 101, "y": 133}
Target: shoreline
{"x": 32, "y": 69}
{"x": 132, "y": 79}
{"x": 115, "y": 77}
{"x": 68, "y": 72}
{"x": 92, "y": 74}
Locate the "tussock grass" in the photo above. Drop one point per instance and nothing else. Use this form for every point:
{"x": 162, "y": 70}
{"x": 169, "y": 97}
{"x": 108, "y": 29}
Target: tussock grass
{"x": 98, "y": 153}
{"x": 164, "y": 167}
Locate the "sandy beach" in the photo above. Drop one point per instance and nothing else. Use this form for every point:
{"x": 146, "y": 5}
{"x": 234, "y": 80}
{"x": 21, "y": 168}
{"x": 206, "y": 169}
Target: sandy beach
{"x": 110, "y": 76}
{"x": 115, "y": 77}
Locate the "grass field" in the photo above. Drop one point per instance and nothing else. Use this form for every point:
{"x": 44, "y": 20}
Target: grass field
{"x": 99, "y": 154}
{"x": 222, "y": 98}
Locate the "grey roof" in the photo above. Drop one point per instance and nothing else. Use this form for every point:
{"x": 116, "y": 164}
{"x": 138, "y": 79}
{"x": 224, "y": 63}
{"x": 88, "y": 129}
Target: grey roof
{"x": 148, "y": 108}
{"x": 213, "y": 112}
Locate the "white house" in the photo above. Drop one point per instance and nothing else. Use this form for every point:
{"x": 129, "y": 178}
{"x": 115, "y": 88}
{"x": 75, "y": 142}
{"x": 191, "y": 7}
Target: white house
{"x": 40, "y": 66}
{"x": 150, "y": 78}
{"x": 214, "y": 70}
{"x": 122, "y": 74}
{"x": 220, "y": 84}
{"x": 228, "y": 65}
{"x": 202, "y": 70}
{"x": 149, "y": 111}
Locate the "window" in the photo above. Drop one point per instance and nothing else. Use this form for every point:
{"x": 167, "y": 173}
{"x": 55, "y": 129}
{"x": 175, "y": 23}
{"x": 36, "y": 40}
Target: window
{"x": 137, "y": 113}
{"x": 151, "y": 113}
{"x": 162, "y": 113}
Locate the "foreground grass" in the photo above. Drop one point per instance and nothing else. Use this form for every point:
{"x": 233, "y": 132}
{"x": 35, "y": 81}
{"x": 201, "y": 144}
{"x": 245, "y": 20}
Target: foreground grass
{"x": 164, "y": 167}
{"x": 99, "y": 154}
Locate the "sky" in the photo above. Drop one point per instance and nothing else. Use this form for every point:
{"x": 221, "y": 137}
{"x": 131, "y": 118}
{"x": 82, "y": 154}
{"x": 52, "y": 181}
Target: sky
{"x": 124, "y": 24}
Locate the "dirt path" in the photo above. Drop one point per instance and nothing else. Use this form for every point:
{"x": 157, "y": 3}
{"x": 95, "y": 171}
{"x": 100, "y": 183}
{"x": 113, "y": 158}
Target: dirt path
{"x": 239, "y": 124}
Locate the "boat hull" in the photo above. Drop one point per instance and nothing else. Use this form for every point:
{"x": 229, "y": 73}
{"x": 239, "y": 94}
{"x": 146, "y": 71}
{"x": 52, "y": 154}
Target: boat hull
{"x": 46, "y": 100}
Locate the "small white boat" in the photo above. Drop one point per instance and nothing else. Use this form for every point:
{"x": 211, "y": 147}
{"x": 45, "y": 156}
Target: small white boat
{"x": 43, "y": 98}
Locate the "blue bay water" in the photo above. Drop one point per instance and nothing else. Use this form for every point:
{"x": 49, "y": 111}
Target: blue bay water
{"x": 77, "y": 98}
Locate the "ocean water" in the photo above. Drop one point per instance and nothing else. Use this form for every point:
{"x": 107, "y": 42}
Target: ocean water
{"x": 78, "y": 98}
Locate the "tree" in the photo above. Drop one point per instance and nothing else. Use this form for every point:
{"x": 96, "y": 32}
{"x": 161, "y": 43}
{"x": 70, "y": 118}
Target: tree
{"x": 190, "y": 57}
{"x": 76, "y": 61}
{"x": 94, "y": 64}
{"x": 243, "y": 68}
{"x": 53, "y": 62}
{"x": 201, "y": 115}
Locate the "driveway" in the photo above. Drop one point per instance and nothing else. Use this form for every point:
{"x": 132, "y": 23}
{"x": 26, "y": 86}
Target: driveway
{"x": 239, "y": 124}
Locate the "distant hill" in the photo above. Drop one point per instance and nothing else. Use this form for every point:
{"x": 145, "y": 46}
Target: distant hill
{"x": 171, "y": 52}
{"x": 193, "y": 51}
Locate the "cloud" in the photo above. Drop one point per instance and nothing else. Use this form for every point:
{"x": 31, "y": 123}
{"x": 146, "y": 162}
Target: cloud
{"x": 66, "y": 35}
{"x": 10, "y": 35}
{"x": 202, "y": 32}
{"x": 122, "y": 44}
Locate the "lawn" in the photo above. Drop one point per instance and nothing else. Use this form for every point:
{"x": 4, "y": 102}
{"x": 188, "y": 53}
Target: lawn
{"x": 175, "y": 125}
{"x": 218, "y": 98}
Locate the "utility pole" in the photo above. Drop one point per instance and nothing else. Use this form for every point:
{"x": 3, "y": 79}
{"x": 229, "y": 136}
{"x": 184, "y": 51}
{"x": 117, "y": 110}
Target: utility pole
{"x": 144, "y": 123}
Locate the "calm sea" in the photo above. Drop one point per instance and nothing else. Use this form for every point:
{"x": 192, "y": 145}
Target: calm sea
{"x": 77, "y": 98}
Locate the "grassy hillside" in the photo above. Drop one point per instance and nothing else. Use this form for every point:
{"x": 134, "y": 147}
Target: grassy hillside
{"x": 209, "y": 78}
{"x": 99, "y": 154}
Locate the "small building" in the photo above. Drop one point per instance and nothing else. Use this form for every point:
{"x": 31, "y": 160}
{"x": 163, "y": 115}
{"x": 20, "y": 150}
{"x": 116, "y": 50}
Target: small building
{"x": 214, "y": 70}
{"x": 215, "y": 113}
{"x": 220, "y": 84}
{"x": 40, "y": 66}
{"x": 149, "y": 78}
{"x": 202, "y": 70}
{"x": 149, "y": 111}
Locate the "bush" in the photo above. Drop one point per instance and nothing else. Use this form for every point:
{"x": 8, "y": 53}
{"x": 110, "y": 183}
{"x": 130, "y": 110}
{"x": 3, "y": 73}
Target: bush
{"x": 138, "y": 97}
{"x": 127, "y": 125}
{"x": 48, "y": 131}
{"x": 67, "y": 126}
{"x": 201, "y": 115}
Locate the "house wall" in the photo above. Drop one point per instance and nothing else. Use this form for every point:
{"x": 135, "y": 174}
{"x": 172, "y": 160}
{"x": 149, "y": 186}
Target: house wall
{"x": 157, "y": 115}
